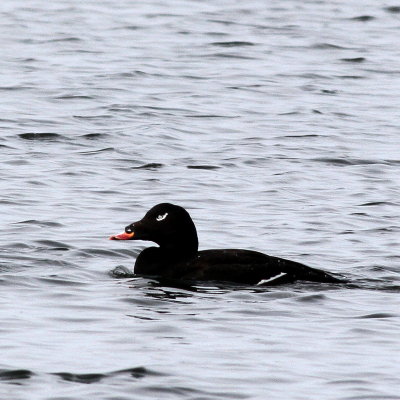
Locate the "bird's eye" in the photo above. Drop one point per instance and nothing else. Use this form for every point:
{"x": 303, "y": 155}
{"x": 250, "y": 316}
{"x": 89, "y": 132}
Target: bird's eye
{"x": 161, "y": 217}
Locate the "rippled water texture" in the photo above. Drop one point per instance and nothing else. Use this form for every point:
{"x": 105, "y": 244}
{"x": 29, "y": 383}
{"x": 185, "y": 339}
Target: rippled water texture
{"x": 276, "y": 124}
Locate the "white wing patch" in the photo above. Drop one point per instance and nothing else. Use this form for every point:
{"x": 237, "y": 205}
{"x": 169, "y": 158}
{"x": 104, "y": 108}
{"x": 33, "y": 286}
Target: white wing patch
{"x": 162, "y": 217}
{"x": 271, "y": 279}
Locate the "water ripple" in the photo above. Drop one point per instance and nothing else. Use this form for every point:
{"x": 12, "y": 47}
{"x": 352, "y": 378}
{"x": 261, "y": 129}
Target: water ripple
{"x": 268, "y": 124}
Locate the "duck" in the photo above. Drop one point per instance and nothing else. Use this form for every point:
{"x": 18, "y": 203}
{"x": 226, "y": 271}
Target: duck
{"x": 177, "y": 256}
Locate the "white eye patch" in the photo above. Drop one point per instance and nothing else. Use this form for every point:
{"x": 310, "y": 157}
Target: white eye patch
{"x": 162, "y": 217}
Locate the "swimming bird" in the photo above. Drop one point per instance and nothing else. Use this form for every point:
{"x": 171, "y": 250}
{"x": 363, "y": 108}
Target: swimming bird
{"x": 177, "y": 257}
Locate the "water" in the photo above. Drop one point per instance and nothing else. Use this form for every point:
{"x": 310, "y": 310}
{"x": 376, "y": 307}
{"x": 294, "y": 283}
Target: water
{"x": 276, "y": 125}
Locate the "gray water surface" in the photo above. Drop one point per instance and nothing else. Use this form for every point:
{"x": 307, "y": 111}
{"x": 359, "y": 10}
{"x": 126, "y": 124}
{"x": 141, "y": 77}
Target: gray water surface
{"x": 276, "y": 124}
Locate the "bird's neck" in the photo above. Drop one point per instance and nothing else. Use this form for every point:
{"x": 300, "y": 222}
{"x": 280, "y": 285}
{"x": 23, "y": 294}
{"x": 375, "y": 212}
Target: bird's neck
{"x": 159, "y": 260}
{"x": 175, "y": 248}
{"x": 180, "y": 249}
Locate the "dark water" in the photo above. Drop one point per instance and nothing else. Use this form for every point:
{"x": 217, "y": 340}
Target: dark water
{"x": 276, "y": 124}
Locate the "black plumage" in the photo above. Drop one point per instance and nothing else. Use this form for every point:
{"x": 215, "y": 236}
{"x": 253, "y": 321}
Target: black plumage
{"x": 177, "y": 256}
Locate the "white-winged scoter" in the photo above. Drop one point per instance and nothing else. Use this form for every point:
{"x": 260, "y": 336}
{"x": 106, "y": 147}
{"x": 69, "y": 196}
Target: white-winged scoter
{"x": 178, "y": 257}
